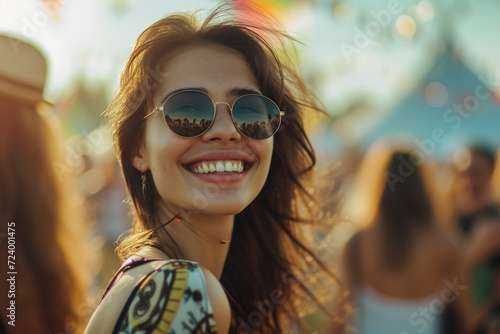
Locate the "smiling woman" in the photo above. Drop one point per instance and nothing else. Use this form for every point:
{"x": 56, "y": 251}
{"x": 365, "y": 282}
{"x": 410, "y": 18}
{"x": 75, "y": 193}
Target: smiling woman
{"x": 217, "y": 163}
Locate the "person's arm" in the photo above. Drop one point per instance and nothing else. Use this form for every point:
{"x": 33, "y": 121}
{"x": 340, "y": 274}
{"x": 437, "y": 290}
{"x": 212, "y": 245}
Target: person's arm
{"x": 482, "y": 243}
{"x": 455, "y": 291}
{"x": 106, "y": 315}
{"x": 351, "y": 261}
{"x": 480, "y": 246}
{"x": 218, "y": 299}
{"x": 172, "y": 297}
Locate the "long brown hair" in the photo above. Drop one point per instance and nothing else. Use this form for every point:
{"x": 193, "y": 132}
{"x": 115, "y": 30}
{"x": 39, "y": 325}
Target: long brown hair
{"x": 404, "y": 207}
{"x": 48, "y": 224}
{"x": 267, "y": 256}
{"x": 393, "y": 189}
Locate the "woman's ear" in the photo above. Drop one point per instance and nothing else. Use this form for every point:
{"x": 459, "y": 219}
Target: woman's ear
{"x": 139, "y": 160}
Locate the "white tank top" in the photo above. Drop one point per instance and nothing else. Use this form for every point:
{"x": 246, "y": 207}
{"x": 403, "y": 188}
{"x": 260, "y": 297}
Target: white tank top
{"x": 376, "y": 313}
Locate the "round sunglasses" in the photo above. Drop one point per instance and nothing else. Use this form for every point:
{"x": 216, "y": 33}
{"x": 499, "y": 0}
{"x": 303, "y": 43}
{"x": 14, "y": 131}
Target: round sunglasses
{"x": 190, "y": 113}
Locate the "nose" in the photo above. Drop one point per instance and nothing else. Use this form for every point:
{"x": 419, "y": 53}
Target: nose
{"x": 223, "y": 128}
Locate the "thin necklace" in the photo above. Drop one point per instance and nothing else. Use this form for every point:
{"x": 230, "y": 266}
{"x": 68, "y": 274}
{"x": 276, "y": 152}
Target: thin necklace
{"x": 196, "y": 231}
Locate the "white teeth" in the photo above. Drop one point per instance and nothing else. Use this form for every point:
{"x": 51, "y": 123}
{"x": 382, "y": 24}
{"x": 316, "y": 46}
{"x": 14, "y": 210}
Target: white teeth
{"x": 219, "y": 166}
{"x": 205, "y": 167}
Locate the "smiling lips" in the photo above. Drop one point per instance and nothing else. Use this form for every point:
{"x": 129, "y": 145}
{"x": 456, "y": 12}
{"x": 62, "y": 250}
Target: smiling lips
{"x": 218, "y": 166}
{"x": 221, "y": 167}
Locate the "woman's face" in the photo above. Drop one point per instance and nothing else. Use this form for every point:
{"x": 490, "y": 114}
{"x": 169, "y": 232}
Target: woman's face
{"x": 176, "y": 163}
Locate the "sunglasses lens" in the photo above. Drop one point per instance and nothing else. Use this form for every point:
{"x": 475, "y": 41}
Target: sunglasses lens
{"x": 256, "y": 116}
{"x": 188, "y": 114}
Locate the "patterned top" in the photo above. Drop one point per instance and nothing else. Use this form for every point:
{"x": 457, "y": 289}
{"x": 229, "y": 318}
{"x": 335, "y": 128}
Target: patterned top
{"x": 172, "y": 299}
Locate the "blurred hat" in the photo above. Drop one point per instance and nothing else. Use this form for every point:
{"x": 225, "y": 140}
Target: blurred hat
{"x": 23, "y": 70}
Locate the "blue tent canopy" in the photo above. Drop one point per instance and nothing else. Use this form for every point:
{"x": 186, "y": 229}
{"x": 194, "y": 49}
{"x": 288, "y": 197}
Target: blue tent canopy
{"x": 449, "y": 107}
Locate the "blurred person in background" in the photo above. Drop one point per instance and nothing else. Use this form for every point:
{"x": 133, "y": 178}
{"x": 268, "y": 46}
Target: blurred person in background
{"x": 496, "y": 178}
{"x": 473, "y": 195}
{"x": 44, "y": 272}
{"x": 217, "y": 243}
{"x": 476, "y": 213}
{"x": 402, "y": 268}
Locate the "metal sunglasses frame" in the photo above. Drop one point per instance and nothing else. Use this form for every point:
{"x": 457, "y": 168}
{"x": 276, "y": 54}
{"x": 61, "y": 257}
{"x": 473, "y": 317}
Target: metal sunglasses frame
{"x": 230, "y": 106}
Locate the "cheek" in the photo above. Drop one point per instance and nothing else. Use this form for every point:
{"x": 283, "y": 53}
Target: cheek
{"x": 165, "y": 170}
{"x": 265, "y": 152}
{"x": 269, "y": 152}
{"x": 163, "y": 150}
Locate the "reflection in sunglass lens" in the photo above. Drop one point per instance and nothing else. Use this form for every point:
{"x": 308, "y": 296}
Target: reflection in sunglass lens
{"x": 188, "y": 114}
{"x": 256, "y": 116}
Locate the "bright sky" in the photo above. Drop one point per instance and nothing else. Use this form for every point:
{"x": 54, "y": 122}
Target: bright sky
{"x": 93, "y": 38}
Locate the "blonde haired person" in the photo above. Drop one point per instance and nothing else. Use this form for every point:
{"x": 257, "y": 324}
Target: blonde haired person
{"x": 402, "y": 268}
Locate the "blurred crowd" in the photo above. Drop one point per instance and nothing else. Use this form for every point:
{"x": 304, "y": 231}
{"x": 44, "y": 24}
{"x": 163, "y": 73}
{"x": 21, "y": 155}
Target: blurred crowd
{"x": 189, "y": 128}
{"x": 423, "y": 255}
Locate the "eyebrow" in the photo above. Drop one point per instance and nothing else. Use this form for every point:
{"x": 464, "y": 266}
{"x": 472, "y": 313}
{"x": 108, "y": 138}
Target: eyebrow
{"x": 242, "y": 91}
{"x": 232, "y": 92}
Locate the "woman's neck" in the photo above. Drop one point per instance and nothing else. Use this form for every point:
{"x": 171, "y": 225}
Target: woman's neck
{"x": 200, "y": 238}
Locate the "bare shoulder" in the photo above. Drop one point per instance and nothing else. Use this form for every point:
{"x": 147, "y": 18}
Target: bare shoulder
{"x": 106, "y": 315}
{"x": 218, "y": 299}
{"x": 446, "y": 246}
{"x": 183, "y": 291}
{"x": 354, "y": 242}
{"x": 351, "y": 266}
{"x": 448, "y": 242}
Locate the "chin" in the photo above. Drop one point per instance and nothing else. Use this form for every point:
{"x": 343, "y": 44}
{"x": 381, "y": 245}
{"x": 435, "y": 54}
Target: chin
{"x": 222, "y": 207}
